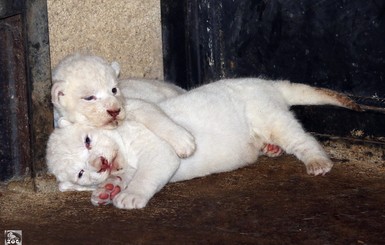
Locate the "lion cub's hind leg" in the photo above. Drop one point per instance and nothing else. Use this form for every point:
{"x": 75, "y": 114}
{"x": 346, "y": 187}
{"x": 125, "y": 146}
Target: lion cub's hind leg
{"x": 291, "y": 137}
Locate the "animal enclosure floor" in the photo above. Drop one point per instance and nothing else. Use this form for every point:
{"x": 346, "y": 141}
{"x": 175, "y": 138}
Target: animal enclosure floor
{"x": 271, "y": 202}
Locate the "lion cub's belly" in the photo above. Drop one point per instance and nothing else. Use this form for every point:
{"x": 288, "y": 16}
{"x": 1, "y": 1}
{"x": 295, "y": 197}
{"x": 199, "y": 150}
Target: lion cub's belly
{"x": 224, "y": 142}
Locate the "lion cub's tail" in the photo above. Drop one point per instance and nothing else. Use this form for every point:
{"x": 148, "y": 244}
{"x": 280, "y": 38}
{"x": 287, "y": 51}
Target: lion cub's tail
{"x": 301, "y": 94}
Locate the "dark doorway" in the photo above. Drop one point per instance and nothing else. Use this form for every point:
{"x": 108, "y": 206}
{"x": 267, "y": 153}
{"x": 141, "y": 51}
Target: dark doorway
{"x": 26, "y": 117}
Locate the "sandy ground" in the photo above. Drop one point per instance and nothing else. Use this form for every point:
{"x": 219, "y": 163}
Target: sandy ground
{"x": 271, "y": 202}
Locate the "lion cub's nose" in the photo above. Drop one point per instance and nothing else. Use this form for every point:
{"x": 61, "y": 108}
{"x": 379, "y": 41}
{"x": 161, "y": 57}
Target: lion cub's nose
{"x": 113, "y": 113}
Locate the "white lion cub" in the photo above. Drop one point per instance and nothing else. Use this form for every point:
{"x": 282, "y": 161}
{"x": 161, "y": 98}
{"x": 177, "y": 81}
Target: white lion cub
{"x": 230, "y": 119}
{"x": 86, "y": 90}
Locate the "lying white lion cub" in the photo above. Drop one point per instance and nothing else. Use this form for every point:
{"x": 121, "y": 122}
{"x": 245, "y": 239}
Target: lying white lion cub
{"x": 86, "y": 90}
{"x": 230, "y": 120}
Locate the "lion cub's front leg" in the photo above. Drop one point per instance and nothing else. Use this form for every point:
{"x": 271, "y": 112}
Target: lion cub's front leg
{"x": 160, "y": 124}
{"x": 115, "y": 191}
{"x": 131, "y": 199}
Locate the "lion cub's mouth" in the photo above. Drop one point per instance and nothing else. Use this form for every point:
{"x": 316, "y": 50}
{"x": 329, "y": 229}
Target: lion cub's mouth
{"x": 113, "y": 123}
{"x": 105, "y": 166}
{"x": 112, "y": 166}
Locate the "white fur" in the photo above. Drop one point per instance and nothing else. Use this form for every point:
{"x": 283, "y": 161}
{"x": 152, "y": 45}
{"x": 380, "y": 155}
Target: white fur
{"x": 86, "y": 90}
{"x": 230, "y": 119}
{"x": 149, "y": 90}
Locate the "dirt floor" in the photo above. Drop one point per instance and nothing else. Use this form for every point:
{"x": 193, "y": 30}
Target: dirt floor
{"x": 271, "y": 202}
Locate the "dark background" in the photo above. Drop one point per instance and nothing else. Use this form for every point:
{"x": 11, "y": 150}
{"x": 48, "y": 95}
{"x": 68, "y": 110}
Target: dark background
{"x": 325, "y": 43}
{"x": 25, "y": 112}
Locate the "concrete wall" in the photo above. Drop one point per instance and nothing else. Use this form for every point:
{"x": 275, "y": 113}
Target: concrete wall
{"x": 128, "y": 31}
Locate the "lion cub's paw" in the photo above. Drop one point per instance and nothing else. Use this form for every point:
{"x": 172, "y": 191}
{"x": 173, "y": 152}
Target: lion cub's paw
{"x": 271, "y": 150}
{"x": 319, "y": 166}
{"x": 106, "y": 192}
{"x": 127, "y": 200}
{"x": 183, "y": 143}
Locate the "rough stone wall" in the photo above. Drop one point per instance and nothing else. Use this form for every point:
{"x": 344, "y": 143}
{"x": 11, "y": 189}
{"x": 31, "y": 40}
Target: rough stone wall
{"x": 126, "y": 31}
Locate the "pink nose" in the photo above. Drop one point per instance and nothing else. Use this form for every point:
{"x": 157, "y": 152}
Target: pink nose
{"x": 113, "y": 113}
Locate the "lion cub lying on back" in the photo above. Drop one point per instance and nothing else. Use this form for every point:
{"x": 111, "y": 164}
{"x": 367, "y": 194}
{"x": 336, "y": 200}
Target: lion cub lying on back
{"x": 230, "y": 119}
{"x": 86, "y": 90}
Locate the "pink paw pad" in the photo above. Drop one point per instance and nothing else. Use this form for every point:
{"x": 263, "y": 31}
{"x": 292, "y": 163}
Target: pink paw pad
{"x": 271, "y": 150}
{"x": 110, "y": 192}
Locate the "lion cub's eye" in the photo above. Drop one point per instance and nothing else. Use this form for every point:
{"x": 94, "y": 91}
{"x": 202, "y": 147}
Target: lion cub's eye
{"x": 80, "y": 173}
{"x": 114, "y": 90}
{"x": 87, "y": 142}
{"x": 88, "y": 98}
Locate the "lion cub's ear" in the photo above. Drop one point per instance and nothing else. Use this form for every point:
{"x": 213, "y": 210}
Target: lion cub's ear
{"x": 115, "y": 65}
{"x": 57, "y": 91}
{"x": 66, "y": 186}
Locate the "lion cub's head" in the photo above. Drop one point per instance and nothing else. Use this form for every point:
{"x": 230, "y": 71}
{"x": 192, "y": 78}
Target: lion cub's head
{"x": 82, "y": 157}
{"x": 85, "y": 91}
